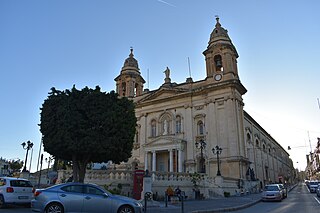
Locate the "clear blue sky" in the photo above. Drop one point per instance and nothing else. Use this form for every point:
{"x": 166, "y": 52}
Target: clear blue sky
{"x": 59, "y": 43}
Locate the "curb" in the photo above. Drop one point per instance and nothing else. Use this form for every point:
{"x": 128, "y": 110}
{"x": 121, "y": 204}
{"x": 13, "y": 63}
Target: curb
{"x": 228, "y": 209}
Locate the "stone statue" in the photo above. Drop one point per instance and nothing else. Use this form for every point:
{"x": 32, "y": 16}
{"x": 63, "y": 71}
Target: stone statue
{"x": 165, "y": 127}
{"x": 147, "y": 173}
{"x": 167, "y": 72}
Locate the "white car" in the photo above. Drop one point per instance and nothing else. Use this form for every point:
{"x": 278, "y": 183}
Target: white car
{"x": 15, "y": 191}
{"x": 272, "y": 192}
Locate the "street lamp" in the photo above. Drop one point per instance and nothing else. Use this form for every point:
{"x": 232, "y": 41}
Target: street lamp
{"x": 217, "y": 151}
{"x": 27, "y": 146}
{"x": 201, "y": 145}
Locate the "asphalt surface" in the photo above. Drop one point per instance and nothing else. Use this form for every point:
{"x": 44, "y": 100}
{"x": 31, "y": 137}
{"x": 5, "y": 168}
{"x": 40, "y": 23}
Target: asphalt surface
{"x": 219, "y": 204}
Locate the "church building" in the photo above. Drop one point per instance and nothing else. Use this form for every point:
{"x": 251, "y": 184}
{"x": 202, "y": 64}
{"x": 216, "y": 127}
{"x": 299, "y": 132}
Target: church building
{"x": 201, "y": 127}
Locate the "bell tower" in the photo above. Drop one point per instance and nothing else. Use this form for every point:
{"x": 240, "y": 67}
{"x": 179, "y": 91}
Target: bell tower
{"x": 130, "y": 82}
{"x": 221, "y": 55}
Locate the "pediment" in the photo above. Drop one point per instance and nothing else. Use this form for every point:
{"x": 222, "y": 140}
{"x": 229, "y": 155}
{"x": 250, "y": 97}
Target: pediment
{"x": 162, "y": 93}
{"x": 164, "y": 143}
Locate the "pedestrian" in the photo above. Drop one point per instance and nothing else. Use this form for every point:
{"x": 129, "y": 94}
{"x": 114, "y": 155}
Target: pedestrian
{"x": 177, "y": 192}
{"x": 169, "y": 193}
{"x": 70, "y": 179}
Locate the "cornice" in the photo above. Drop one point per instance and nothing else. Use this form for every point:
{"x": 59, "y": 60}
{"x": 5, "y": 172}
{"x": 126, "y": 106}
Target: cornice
{"x": 179, "y": 93}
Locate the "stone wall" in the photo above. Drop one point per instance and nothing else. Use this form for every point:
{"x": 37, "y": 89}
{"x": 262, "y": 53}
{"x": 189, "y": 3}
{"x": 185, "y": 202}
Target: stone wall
{"x": 208, "y": 187}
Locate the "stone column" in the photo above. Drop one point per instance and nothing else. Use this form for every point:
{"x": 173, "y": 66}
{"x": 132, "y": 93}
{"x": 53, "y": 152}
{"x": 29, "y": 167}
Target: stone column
{"x": 154, "y": 157}
{"x": 180, "y": 161}
{"x": 145, "y": 160}
{"x": 171, "y": 160}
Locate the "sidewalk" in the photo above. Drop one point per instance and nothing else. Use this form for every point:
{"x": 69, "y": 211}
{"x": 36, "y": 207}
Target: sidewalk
{"x": 219, "y": 204}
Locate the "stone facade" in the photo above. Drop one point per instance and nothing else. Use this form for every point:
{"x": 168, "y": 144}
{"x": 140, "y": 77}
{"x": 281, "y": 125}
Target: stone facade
{"x": 267, "y": 158}
{"x": 313, "y": 163}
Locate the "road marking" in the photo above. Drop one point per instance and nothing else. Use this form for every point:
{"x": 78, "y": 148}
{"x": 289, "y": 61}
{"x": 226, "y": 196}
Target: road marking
{"x": 317, "y": 200}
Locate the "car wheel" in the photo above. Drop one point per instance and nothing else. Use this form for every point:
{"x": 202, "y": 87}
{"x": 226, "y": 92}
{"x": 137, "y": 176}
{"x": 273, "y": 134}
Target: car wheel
{"x": 125, "y": 209}
{"x": 54, "y": 208}
{"x": 2, "y": 203}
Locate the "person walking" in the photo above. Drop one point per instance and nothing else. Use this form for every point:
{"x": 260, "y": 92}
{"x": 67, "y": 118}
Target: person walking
{"x": 177, "y": 192}
{"x": 169, "y": 193}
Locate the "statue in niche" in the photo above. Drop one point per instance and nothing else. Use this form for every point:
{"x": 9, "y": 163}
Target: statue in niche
{"x": 165, "y": 127}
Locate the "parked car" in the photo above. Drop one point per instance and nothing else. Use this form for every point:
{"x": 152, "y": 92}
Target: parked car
{"x": 272, "y": 192}
{"x": 283, "y": 190}
{"x": 15, "y": 191}
{"x": 313, "y": 185}
{"x": 80, "y": 197}
{"x": 318, "y": 190}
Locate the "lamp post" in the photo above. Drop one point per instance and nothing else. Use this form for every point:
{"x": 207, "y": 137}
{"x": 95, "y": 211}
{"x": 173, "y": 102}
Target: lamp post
{"x": 27, "y": 146}
{"x": 217, "y": 151}
{"x": 201, "y": 145}
{"x": 39, "y": 181}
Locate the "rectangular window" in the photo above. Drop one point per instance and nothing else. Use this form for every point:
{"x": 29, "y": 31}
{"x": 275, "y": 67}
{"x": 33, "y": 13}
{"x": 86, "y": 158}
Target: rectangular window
{"x": 20, "y": 183}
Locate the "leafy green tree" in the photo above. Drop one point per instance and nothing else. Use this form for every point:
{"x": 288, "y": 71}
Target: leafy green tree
{"x": 15, "y": 165}
{"x": 86, "y": 126}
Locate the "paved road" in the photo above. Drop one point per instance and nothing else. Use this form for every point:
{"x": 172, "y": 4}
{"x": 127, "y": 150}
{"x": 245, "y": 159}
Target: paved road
{"x": 213, "y": 205}
{"x": 189, "y": 206}
{"x": 300, "y": 200}
{"x": 15, "y": 209}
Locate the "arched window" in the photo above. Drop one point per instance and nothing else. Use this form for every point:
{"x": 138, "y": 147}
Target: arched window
{"x": 200, "y": 128}
{"x": 257, "y": 143}
{"x": 178, "y": 124}
{"x": 218, "y": 62}
{"x": 153, "y": 128}
{"x": 124, "y": 86}
{"x": 248, "y": 138}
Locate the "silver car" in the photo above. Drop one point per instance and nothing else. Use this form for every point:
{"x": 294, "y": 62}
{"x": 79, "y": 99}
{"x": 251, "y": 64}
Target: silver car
{"x": 84, "y": 198}
{"x": 272, "y": 192}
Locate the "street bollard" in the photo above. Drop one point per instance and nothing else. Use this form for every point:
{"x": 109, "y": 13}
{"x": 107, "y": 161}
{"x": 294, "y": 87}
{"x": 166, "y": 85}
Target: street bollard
{"x": 182, "y": 195}
{"x": 166, "y": 199}
{"x": 145, "y": 204}
{"x": 147, "y": 196}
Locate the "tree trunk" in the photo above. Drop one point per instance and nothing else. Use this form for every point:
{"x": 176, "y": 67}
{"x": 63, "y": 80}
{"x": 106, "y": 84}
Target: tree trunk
{"x": 82, "y": 171}
{"x": 79, "y": 170}
{"x": 75, "y": 169}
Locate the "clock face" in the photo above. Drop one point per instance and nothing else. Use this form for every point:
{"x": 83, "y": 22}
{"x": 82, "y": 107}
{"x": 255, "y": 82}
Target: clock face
{"x": 218, "y": 77}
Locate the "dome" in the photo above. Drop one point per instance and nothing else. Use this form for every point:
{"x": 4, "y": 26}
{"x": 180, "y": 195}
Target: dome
{"x": 219, "y": 34}
{"x": 131, "y": 61}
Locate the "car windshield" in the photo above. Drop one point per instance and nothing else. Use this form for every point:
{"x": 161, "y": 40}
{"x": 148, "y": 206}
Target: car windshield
{"x": 271, "y": 188}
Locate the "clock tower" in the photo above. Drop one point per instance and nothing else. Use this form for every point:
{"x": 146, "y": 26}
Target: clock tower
{"x": 221, "y": 55}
